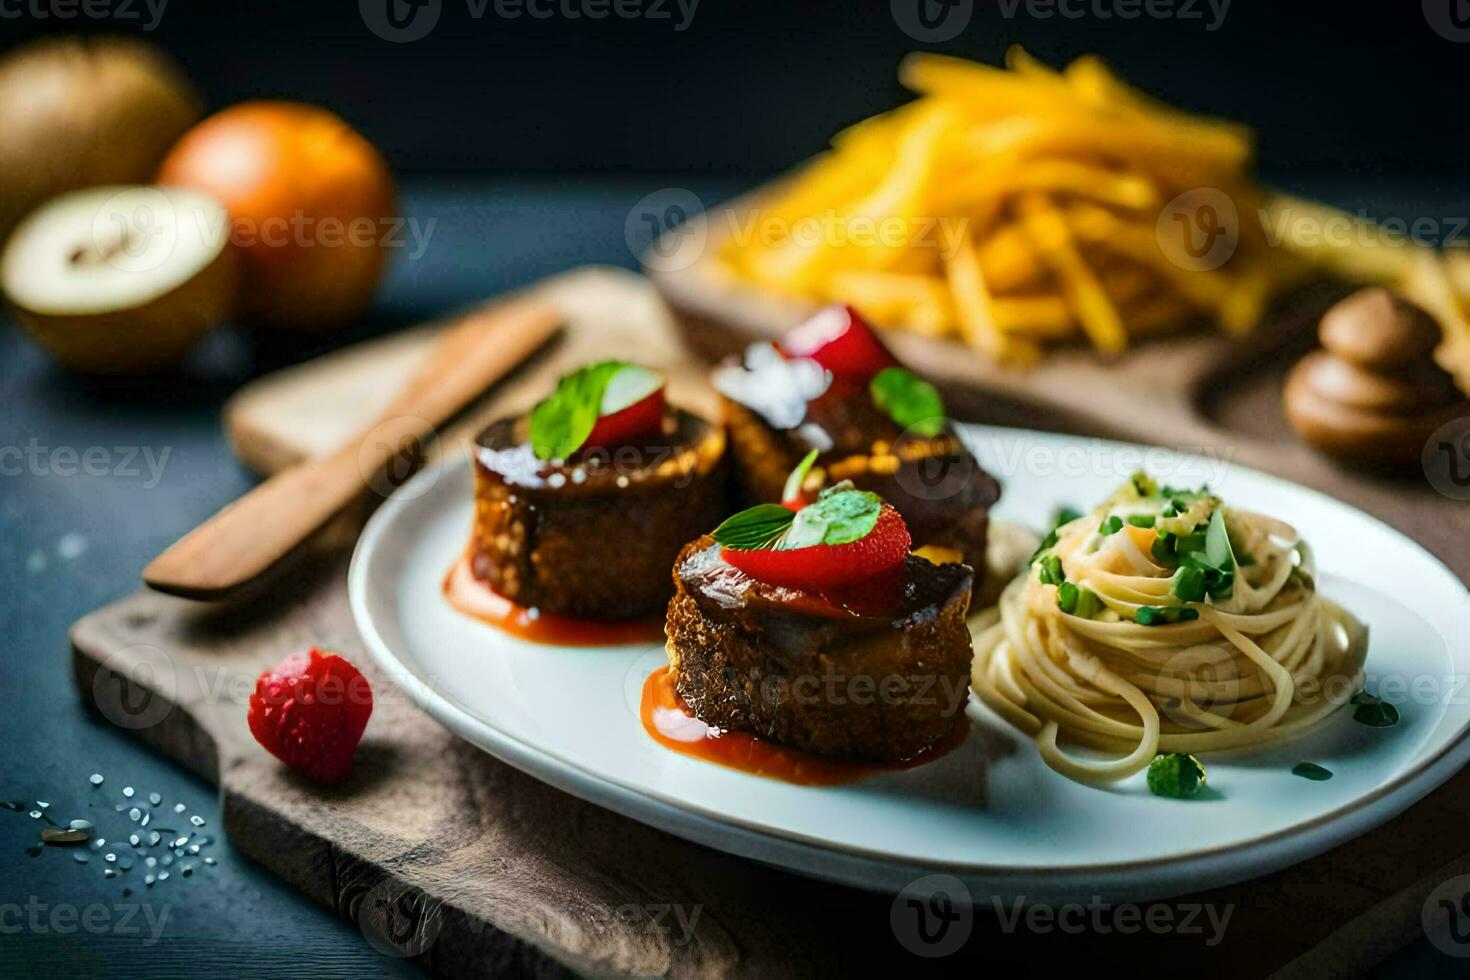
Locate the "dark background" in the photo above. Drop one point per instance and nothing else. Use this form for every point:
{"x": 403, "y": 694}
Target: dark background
{"x": 529, "y": 141}
{"x": 755, "y": 86}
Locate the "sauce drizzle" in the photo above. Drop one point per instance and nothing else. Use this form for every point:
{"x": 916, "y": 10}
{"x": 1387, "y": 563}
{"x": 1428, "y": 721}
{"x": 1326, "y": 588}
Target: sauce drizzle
{"x": 474, "y": 598}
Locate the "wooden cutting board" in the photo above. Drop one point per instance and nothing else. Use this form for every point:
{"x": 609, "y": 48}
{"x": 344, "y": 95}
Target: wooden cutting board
{"x": 440, "y": 852}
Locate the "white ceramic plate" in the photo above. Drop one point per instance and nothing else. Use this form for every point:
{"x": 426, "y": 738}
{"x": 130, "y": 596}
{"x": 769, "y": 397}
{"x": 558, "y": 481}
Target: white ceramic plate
{"x": 990, "y": 812}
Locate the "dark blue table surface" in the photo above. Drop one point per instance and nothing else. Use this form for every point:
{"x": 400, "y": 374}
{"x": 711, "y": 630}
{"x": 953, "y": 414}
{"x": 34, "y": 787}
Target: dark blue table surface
{"x": 72, "y": 540}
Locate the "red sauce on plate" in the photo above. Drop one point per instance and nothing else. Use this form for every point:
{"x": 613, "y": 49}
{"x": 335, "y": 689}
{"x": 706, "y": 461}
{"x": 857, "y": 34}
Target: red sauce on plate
{"x": 474, "y": 598}
{"x": 670, "y": 723}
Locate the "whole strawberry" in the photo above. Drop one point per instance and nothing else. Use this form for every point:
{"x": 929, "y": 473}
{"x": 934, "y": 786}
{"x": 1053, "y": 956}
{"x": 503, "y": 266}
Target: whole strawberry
{"x": 309, "y": 711}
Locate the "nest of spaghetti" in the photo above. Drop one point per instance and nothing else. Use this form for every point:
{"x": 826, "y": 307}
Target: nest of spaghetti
{"x": 1165, "y": 621}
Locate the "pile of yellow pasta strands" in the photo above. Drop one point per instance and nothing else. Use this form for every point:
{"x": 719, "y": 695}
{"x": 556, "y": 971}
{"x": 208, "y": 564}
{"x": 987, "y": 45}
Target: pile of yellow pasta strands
{"x": 1015, "y": 208}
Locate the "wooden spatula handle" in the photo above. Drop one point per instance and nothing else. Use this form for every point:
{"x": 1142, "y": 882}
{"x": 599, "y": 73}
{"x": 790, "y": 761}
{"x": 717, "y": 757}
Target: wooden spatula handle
{"x": 245, "y": 540}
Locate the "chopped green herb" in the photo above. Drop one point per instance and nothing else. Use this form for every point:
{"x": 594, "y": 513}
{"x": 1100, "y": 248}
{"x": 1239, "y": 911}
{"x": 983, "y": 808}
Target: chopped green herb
{"x": 1168, "y": 491}
{"x": 1208, "y": 552}
{"x": 1064, "y": 515}
{"x": 1176, "y": 775}
{"x": 792, "y": 489}
{"x": 1051, "y": 571}
{"x": 1220, "y": 585}
{"x": 1067, "y": 596}
{"x": 1312, "y": 771}
{"x": 1075, "y": 601}
{"x": 1189, "y": 585}
{"x": 1303, "y": 578}
{"x": 1165, "y": 615}
{"x": 909, "y": 400}
{"x": 1143, "y": 484}
{"x": 1142, "y": 520}
{"x": 1163, "y": 549}
{"x": 1046, "y": 543}
{"x": 1192, "y": 543}
{"x": 1374, "y": 711}
{"x": 1112, "y": 525}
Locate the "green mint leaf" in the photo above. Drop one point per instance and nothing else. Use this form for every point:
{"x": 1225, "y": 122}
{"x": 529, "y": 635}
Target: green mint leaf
{"x": 909, "y": 400}
{"x": 561, "y": 422}
{"x": 756, "y": 527}
{"x": 836, "y": 518}
{"x": 798, "y": 476}
{"x": 1176, "y": 775}
{"x": 1312, "y": 771}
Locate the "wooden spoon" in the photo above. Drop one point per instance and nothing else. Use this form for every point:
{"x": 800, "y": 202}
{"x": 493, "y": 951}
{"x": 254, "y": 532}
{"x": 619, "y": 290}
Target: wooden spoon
{"x": 241, "y": 544}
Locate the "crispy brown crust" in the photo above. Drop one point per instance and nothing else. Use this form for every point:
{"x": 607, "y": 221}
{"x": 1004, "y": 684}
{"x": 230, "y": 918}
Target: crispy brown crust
{"x": 596, "y": 545}
{"x": 750, "y": 657}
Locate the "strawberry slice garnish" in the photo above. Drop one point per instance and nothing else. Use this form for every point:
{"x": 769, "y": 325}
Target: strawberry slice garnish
{"x": 606, "y": 404}
{"x": 844, "y": 537}
{"x": 839, "y": 339}
{"x": 309, "y": 711}
{"x": 632, "y": 407}
{"x": 826, "y": 566}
